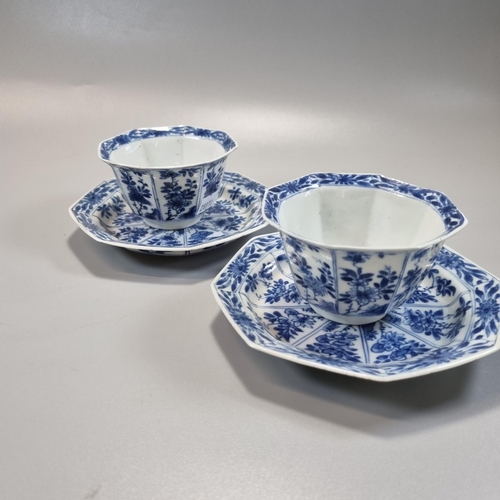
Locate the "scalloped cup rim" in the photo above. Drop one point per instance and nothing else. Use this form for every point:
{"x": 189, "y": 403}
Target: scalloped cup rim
{"x": 164, "y": 167}
{"x": 354, "y": 248}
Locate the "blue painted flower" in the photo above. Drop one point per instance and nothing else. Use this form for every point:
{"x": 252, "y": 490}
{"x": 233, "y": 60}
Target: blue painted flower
{"x": 289, "y": 324}
{"x": 253, "y": 186}
{"x": 127, "y": 219}
{"x": 93, "y": 198}
{"x": 296, "y": 245}
{"x": 200, "y": 236}
{"x": 427, "y": 322}
{"x": 246, "y": 201}
{"x": 221, "y": 207}
{"x": 105, "y": 210}
{"x": 228, "y": 223}
{"x": 178, "y": 199}
{"x": 251, "y": 283}
{"x": 237, "y": 269}
{"x": 235, "y": 308}
{"x": 487, "y": 309}
{"x": 212, "y": 181}
{"x": 138, "y": 191}
{"x": 346, "y": 179}
{"x": 386, "y": 285}
{"x": 463, "y": 269}
{"x": 397, "y": 347}
{"x": 117, "y": 204}
{"x": 317, "y": 285}
{"x": 422, "y": 295}
{"x": 412, "y": 278}
{"x": 169, "y": 174}
{"x": 408, "y": 350}
{"x": 132, "y": 234}
{"x": 279, "y": 290}
{"x": 360, "y": 292}
{"x": 357, "y": 257}
{"x": 444, "y": 287}
{"x": 266, "y": 271}
{"x": 388, "y": 342}
{"x": 338, "y": 344}
{"x": 420, "y": 254}
{"x": 165, "y": 238}
{"x": 234, "y": 193}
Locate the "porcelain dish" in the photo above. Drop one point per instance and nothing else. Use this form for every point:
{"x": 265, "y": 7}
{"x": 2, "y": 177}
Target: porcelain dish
{"x": 451, "y": 319}
{"x": 169, "y": 176}
{"x": 359, "y": 244}
{"x": 103, "y": 214}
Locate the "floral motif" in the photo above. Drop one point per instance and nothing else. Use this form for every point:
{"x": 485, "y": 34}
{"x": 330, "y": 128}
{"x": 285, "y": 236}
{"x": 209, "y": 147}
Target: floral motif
{"x": 488, "y": 309}
{"x": 355, "y": 283}
{"x": 179, "y": 198}
{"x": 132, "y": 234}
{"x": 229, "y": 223}
{"x": 397, "y": 347}
{"x": 341, "y": 344}
{"x": 290, "y": 323}
{"x": 213, "y": 177}
{"x": 365, "y": 293}
{"x": 281, "y": 290}
{"x": 138, "y": 191}
{"x": 462, "y": 268}
{"x": 95, "y": 197}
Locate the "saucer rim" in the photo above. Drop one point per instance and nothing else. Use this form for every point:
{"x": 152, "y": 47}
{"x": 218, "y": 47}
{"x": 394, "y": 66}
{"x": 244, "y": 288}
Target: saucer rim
{"x": 166, "y": 249}
{"x": 344, "y": 371}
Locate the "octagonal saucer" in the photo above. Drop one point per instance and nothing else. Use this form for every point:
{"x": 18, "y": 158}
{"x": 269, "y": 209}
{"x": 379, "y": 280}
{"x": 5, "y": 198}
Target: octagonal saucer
{"x": 104, "y": 215}
{"x": 452, "y": 318}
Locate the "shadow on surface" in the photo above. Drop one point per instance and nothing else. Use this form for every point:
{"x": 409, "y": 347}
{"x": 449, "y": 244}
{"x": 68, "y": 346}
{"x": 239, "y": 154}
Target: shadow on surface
{"x": 384, "y": 409}
{"x": 111, "y": 262}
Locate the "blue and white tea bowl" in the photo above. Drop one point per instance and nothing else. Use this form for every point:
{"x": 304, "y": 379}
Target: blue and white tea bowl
{"x": 169, "y": 175}
{"x": 359, "y": 245}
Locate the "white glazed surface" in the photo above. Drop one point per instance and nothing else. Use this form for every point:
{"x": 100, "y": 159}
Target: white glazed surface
{"x": 173, "y": 151}
{"x": 359, "y": 217}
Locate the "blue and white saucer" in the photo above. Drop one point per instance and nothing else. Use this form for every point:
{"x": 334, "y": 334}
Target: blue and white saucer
{"x": 105, "y": 216}
{"x": 452, "y": 318}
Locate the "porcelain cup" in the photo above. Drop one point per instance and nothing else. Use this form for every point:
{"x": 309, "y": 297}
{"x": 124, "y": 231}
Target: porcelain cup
{"x": 359, "y": 245}
{"x": 169, "y": 175}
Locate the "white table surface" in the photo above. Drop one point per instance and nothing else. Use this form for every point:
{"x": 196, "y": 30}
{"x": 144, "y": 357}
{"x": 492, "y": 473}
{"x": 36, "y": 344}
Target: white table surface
{"x": 119, "y": 376}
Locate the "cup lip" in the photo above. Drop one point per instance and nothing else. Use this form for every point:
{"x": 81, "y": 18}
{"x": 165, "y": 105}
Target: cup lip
{"x": 107, "y": 146}
{"x": 327, "y": 179}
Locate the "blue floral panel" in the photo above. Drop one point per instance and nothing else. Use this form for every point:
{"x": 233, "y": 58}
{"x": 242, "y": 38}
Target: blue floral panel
{"x": 451, "y": 319}
{"x": 352, "y": 283}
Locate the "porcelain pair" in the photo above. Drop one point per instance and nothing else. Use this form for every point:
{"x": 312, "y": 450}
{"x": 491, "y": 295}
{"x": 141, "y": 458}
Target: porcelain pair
{"x": 358, "y": 245}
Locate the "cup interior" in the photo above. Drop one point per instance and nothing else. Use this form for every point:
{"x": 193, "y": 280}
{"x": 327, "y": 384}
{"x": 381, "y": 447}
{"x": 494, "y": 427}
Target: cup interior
{"x": 360, "y": 217}
{"x": 170, "y": 151}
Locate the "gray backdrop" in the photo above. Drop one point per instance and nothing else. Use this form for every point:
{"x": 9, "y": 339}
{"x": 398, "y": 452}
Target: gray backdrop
{"x": 119, "y": 376}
